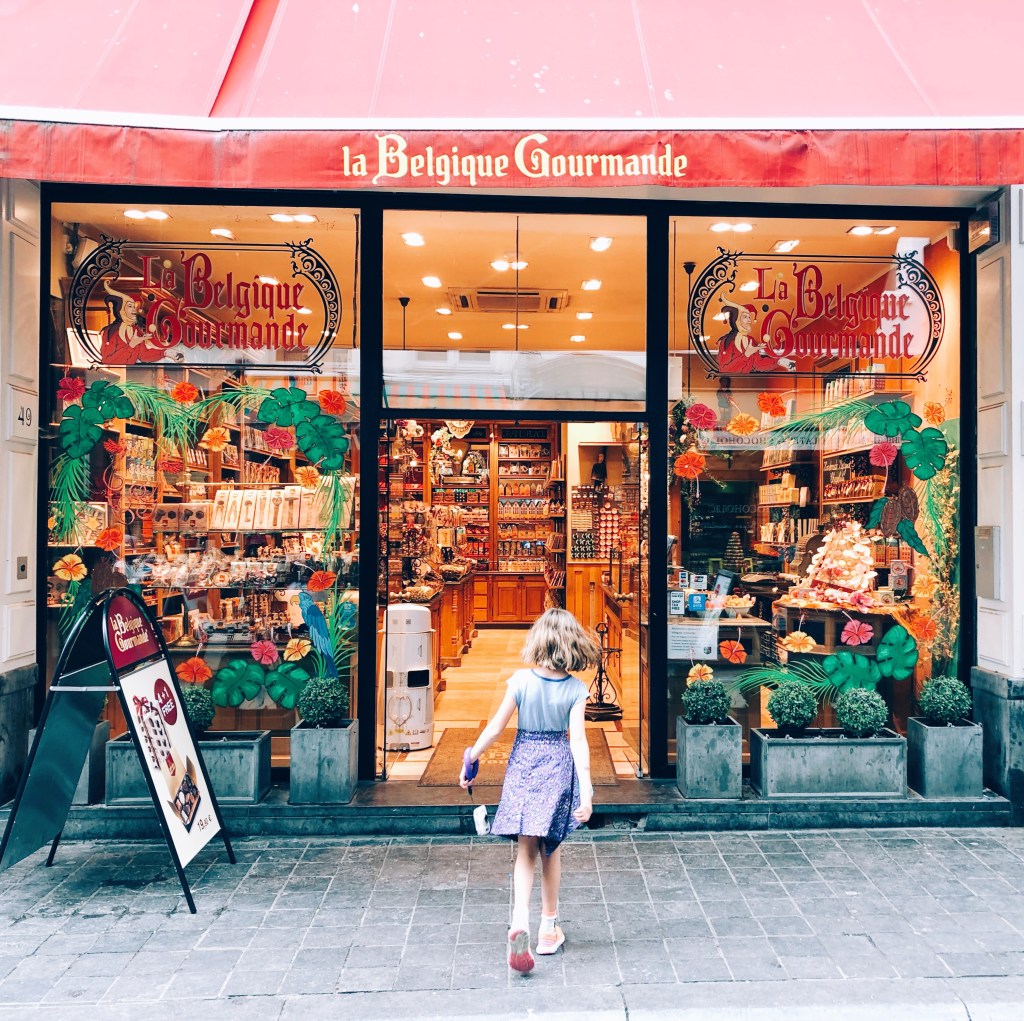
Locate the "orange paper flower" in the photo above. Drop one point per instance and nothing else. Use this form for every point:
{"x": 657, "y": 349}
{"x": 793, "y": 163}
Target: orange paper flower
{"x": 700, "y": 672}
{"x": 307, "y": 477}
{"x": 332, "y": 402}
{"x": 296, "y": 649}
{"x": 184, "y": 393}
{"x": 771, "y": 404}
{"x": 689, "y": 465}
{"x": 193, "y": 671}
{"x": 934, "y": 413}
{"x": 216, "y": 438}
{"x": 799, "y": 641}
{"x": 742, "y": 424}
{"x": 109, "y": 539}
{"x": 924, "y": 629}
{"x": 321, "y": 580}
{"x": 70, "y": 568}
{"x": 733, "y": 652}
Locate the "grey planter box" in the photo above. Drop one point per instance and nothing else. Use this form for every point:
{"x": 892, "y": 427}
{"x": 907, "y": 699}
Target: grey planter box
{"x": 324, "y": 764}
{"x": 238, "y": 763}
{"x": 824, "y": 763}
{"x": 944, "y": 762}
{"x": 92, "y": 782}
{"x": 709, "y": 759}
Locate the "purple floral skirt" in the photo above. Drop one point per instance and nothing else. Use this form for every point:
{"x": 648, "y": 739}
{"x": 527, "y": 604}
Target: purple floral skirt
{"x": 541, "y": 790}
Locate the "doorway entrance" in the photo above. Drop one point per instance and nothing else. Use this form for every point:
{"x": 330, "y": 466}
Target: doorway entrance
{"x": 484, "y": 524}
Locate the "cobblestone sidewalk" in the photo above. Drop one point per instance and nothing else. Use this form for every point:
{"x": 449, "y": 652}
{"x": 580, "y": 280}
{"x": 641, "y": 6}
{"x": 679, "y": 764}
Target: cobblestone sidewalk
{"x": 674, "y": 925}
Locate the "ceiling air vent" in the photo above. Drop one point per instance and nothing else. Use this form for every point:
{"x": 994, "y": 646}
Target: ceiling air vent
{"x": 507, "y": 299}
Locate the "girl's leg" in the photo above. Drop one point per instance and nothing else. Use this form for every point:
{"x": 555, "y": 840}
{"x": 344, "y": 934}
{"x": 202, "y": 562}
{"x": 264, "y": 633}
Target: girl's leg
{"x": 551, "y": 879}
{"x": 525, "y": 867}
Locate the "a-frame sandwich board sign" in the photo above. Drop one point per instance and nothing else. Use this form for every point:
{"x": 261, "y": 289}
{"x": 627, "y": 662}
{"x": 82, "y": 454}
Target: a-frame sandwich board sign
{"x": 115, "y": 648}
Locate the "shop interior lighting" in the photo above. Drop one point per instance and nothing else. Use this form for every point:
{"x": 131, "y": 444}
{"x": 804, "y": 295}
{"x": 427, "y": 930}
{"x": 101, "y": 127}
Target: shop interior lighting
{"x": 591, "y": 285}
{"x": 455, "y": 335}
{"x": 293, "y": 218}
{"x": 146, "y": 214}
{"x": 223, "y": 232}
{"x": 781, "y": 247}
{"x": 515, "y": 326}
{"x": 577, "y": 338}
{"x": 413, "y": 240}
{"x": 721, "y": 317}
{"x": 885, "y": 230}
{"x": 722, "y": 227}
{"x": 443, "y": 310}
{"x": 507, "y": 263}
{"x": 432, "y": 281}
{"x": 742, "y": 228}
{"x": 862, "y": 230}
{"x": 601, "y": 244}
{"x": 304, "y": 218}
{"x": 584, "y": 315}
{"x": 268, "y": 280}
{"x": 750, "y": 285}
{"x": 304, "y": 311}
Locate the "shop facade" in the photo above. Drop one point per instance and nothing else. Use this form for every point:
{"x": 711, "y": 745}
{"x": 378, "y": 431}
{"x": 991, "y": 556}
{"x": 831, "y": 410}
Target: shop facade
{"x": 761, "y": 442}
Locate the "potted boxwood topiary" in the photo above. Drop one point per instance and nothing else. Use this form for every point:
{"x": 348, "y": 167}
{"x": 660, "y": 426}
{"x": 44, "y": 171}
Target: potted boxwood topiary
{"x": 827, "y": 762}
{"x": 324, "y": 745}
{"x": 944, "y": 748}
{"x": 709, "y": 743}
{"x": 199, "y": 707}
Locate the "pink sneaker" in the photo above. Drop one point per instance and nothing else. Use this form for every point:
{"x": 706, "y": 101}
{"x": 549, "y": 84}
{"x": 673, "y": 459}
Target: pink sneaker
{"x": 519, "y": 957}
{"x": 549, "y": 942}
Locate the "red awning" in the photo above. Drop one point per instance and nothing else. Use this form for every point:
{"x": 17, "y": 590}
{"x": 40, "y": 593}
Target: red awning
{"x": 266, "y": 92}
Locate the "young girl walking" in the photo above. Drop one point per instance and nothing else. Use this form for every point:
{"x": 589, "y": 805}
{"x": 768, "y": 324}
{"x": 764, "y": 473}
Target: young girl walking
{"x": 547, "y": 791}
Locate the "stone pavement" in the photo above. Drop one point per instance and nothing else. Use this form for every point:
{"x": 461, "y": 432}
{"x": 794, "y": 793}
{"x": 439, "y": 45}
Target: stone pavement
{"x": 845, "y": 924}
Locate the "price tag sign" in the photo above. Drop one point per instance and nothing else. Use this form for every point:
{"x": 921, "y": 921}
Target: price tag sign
{"x": 22, "y": 416}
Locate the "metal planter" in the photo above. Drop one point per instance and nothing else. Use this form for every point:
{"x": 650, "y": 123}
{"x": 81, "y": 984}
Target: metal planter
{"x": 944, "y": 762}
{"x": 324, "y": 764}
{"x": 709, "y": 759}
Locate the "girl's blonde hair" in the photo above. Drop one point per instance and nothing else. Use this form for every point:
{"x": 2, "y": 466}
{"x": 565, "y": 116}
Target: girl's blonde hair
{"x": 558, "y": 641}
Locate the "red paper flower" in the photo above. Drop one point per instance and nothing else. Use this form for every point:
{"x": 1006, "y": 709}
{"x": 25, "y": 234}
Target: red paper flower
{"x": 689, "y": 465}
{"x": 193, "y": 671}
{"x": 883, "y": 454}
{"x": 733, "y": 652}
{"x": 171, "y": 465}
{"x": 321, "y": 580}
{"x": 70, "y": 389}
{"x": 109, "y": 539}
{"x": 700, "y": 416}
{"x": 332, "y": 402}
{"x": 115, "y": 447}
{"x": 264, "y": 652}
{"x": 771, "y": 404}
{"x": 184, "y": 393}
{"x": 857, "y": 632}
{"x": 279, "y": 439}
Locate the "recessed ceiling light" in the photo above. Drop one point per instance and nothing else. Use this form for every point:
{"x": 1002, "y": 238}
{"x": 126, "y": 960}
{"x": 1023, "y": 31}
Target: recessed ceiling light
{"x": 157, "y": 214}
{"x": 268, "y": 280}
{"x": 222, "y": 232}
{"x": 720, "y": 228}
{"x": 454, "y": 335}
{"x": 519, "y": 264}
{"x": 750, "y": 285}
{"x": 304, "y": 218}
{"x": 413, "y": 240}
{"x": 885, "y": 230}
{"x": 600, "y": 244}
{"x": 515, "y": 326}
{"x": 577, "y": 338}
{"x": 135, "y": 214}
{"x": 304, "y": 311}
{"x": 781, "y": 247}
{"x": 432, "y": 281}
{"x": 860, "y": 231}
{"x": 721, "y": 317}
{"x": 591, "y": 285}
{"x": 443, "y": 310}
{"x": 584, "y": 315}
{"x": 742, "y": 228}
{"x": 282, "y": 217}
{"x": 500, "y": 265}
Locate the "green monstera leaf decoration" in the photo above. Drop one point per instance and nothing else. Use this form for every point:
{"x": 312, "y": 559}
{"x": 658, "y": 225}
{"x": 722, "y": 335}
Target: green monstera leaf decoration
{"x": 322, "y": 439}
{"x": 893, "y": 418}
{"x": 285, "y": 683}
{"x": 236, "y": 682}
{"x": 848, "y": 670}
{"x": 925, "y": 452}
{"x": 897, "y": 653}
{"x": 287, "y": 406}
{"x": 908, "y": 533}
{"x": 80, "y": 430}
{"x": 875, "y": 518}
{"x": 109, "y": 400}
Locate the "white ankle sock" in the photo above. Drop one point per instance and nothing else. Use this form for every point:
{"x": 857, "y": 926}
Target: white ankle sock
{"x": 547, "y": 924}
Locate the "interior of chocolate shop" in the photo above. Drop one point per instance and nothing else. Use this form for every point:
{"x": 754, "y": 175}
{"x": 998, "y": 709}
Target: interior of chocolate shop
{"x": 513, "y": 460}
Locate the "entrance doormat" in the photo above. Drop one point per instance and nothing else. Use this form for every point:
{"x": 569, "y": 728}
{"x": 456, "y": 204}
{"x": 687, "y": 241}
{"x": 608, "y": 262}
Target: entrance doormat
{"x": 446, "y": 762}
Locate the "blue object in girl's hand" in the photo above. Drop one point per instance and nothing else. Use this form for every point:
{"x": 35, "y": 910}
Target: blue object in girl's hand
{"x": 470, "y": 767}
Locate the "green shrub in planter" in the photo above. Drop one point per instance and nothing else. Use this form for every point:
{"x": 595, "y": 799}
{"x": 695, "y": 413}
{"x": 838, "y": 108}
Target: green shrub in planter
{"x": 199, "y": 707}
{"x": 323, "y": 702}
{"x": 792, "y": 706}
{"x": 861, "y": 712}
{"x": 706, "y": 702}
{"x": 945, "y": 700}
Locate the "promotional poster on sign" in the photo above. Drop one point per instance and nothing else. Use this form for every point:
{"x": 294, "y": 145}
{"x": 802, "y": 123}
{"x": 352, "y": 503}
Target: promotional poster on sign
{"x": 158, "y": 721}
